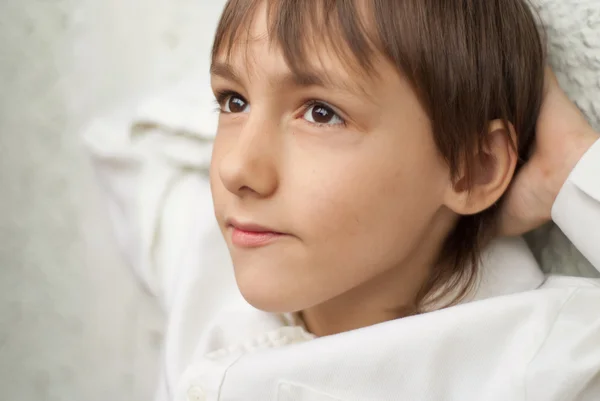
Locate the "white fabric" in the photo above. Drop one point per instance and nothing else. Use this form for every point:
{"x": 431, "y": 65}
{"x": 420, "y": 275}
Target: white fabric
{"x": 519, "y": 337}
{"x": 151, "y": 160}
{"x": 523, "y": 338}
{"x": 580, "y": 193}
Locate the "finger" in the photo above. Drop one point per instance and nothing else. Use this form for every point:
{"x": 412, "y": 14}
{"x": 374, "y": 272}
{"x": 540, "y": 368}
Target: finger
{"x": 549, "y": 80}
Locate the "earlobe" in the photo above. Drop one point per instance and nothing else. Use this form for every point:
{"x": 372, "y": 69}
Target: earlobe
{"x": 492, "y": 172}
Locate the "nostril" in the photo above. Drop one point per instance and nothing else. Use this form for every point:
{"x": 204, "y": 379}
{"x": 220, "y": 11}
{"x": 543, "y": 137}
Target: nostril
{"x": 246, "y": 189}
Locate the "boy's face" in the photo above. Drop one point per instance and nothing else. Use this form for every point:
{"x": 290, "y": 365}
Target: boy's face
{"x": 340, "y": 168}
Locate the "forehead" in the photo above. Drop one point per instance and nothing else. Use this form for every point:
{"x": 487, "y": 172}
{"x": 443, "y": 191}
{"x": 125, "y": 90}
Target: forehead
{"x": 299, "y": 36}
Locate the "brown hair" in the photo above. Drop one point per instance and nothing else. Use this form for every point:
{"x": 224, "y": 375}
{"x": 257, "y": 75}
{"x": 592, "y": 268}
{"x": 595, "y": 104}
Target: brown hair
{"x": 469, "y": 61}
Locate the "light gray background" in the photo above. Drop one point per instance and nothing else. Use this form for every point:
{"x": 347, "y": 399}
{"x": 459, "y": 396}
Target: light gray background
{"x": 74, "y": 325}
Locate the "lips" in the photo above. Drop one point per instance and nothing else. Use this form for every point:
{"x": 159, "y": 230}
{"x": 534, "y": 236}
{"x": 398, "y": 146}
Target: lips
{"x": 251, "y": 235}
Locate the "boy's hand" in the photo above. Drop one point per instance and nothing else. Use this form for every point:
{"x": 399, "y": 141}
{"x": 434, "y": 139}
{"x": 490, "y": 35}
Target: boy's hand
{"x": 563, "y": 136}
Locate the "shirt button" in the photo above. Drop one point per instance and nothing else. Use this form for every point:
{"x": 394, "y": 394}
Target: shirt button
{"x": 196, "y": 394}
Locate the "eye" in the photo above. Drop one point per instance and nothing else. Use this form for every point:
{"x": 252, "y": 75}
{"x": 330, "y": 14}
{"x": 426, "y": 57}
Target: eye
{"x": 231, "y": 102}
{"x": 322, "y": 114}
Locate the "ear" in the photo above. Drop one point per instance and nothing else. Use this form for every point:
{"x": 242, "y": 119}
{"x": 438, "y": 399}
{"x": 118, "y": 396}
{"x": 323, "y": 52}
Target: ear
{"x": 493, "y": 171}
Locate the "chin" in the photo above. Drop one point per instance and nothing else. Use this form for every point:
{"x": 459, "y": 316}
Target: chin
{"x": 269, "y": 299}
{"x": 271, "y": 294}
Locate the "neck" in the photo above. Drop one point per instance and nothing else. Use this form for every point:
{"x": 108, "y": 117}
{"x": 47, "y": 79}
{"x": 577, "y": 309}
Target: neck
{"x": 390, "y": 295}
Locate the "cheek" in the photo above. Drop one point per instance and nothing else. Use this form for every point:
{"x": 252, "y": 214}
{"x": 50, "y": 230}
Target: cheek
{"x": 369, "y": 203}
{"x": 216, "y": 186}
{"x": 215, "y": 161}
{"x": 368, "y": 213}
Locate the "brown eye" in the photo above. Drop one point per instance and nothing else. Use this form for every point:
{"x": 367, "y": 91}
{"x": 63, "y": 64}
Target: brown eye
{"x": 321, "y": 114}
{"x": 235, "y": 104}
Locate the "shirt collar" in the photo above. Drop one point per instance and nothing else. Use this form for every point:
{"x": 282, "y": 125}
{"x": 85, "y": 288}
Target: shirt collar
{"x": 507, "y": 267}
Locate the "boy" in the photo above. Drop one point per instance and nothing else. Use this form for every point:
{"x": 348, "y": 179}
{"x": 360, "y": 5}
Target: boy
{"x": 366, "y": 153}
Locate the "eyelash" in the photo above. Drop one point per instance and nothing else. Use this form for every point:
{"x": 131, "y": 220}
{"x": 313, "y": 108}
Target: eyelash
{"x": 223, "y": 95}
{"x": 312, "y": 103}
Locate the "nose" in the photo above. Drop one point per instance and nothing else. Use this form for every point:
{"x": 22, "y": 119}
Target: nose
{"x": 249, "y": 168}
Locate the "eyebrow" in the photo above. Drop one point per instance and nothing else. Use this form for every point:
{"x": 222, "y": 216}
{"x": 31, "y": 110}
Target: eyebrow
{"x": 304, "y": 78}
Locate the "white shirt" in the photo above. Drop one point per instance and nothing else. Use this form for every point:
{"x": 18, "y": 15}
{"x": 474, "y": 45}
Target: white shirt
{"x": 521, "y": 336}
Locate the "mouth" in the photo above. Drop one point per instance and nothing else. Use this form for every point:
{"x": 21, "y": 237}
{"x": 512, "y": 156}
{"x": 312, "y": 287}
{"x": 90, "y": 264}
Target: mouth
{"x": 250, "y": 235}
